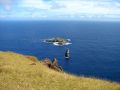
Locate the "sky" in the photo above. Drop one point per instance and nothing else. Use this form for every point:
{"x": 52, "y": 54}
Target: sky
{"x": 60, "y": 10}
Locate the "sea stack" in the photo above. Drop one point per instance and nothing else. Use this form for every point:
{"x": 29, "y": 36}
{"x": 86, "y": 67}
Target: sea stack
{"x": 67, "y": 54}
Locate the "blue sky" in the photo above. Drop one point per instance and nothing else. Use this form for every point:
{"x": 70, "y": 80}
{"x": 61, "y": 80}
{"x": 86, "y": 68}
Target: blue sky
{"x": 60, "y": 10}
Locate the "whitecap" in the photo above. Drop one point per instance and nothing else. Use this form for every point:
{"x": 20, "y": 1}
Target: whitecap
{"x": 69, "y": 40}
{"x": 68, "y": 43}
{"x": 57, "y": 44}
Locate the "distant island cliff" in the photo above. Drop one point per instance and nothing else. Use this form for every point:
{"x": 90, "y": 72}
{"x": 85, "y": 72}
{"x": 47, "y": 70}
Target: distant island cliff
{"x": 21, "y": 72}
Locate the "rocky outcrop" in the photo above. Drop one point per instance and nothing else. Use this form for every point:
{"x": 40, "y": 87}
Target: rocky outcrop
{"x": 47, "y": 62}
{"x": 53, "y": 65}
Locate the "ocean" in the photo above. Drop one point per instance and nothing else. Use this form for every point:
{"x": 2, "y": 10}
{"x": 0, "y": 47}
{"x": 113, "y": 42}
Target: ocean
{"x": 95, "y": 48}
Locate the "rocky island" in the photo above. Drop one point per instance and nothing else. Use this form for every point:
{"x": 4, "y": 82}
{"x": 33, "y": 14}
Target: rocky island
{"x": 58, "y": 41}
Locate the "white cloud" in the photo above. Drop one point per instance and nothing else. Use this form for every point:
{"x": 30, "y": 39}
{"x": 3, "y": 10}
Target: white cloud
{"x": 68, "y": 9}
{"x": 6, "y": 4}
{"x": 39, "y": 4}
{"x": 91, "y": 7}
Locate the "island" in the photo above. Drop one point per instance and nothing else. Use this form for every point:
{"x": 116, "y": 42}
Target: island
{"x": 58, "y": 41}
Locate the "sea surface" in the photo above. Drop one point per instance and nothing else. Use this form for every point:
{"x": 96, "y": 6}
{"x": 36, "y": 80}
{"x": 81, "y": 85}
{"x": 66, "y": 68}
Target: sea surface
{"x": 95, "y": 48}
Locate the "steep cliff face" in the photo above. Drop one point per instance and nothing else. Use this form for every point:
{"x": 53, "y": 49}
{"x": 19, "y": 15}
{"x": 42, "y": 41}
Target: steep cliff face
{"x": 19, "y": 72}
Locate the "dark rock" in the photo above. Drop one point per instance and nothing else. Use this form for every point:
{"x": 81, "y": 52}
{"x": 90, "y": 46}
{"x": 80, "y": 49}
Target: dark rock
{"x": 67, "y": 54}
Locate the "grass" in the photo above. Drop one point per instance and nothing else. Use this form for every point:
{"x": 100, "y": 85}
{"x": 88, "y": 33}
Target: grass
{"x": 18, "y": 73}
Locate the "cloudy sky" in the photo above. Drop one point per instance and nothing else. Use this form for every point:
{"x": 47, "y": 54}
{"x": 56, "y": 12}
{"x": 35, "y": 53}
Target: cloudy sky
{"x": 60, "y": 10}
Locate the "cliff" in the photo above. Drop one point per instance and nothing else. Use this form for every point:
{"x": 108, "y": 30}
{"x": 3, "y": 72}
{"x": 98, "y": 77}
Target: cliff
{"x": 19, "y": 72}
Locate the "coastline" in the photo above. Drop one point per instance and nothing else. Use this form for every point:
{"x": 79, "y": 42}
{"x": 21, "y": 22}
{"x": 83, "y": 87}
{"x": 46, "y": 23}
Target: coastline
{"x": 20, "y": 68}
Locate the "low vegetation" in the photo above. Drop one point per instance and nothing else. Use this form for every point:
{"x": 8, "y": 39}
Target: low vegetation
{"x": 19, "y": 72}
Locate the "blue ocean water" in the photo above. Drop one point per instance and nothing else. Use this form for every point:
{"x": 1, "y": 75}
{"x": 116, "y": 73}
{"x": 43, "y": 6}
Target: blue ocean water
{"x": 95, "y": 48}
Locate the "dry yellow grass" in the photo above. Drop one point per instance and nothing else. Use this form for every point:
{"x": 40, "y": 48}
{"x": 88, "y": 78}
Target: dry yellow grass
{"x": 17, "y": 73}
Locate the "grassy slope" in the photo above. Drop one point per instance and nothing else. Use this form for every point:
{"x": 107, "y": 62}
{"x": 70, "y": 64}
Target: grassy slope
{"x": 16, "y": 73}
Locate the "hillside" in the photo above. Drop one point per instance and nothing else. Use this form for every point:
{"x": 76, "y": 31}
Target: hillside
{"x": 18, "y": 72}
